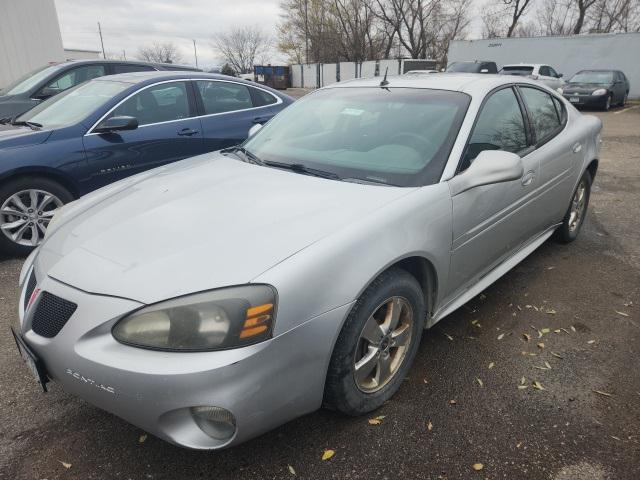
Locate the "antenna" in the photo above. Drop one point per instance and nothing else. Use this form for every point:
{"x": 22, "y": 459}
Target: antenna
{"x": 384, "y": 81}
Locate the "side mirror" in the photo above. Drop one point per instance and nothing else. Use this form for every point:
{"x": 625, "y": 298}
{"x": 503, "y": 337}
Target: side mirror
{"x": 115, "y": 124}
{"x": 560, "y": 75}
{"x": 255, "y": 129}
{"x": 490, "y": 166}
{"x": 46, "y": 92}
{"x": 484, "y": 70}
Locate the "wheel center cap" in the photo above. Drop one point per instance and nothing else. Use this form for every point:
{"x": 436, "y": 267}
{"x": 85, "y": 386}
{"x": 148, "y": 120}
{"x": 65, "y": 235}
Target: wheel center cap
{"x": 385, "y": 343}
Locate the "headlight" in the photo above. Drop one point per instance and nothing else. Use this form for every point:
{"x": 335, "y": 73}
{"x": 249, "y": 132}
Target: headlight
{"x": 216, "y": 320}
{"x": 560, "y": 91}
{"x": 600, "y": 91}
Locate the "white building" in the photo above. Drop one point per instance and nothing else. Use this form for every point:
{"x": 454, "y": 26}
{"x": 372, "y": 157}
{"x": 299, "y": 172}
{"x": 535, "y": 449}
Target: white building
{"x": 29, "y": 37}
{"x": 566, "y": 54}
{"x": 80, "y": 54}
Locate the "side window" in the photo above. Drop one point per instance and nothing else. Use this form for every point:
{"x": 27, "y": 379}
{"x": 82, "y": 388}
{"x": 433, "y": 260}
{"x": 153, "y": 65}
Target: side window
{"x": 121, "y": 68}
{"x": 562, "y": 112}
{"x": 500, "y": 126}
{"x": 160, "y": 103}
{"x": 262, "y": 98}
{"x": 73, "y": 77}
{"x": 553, "y": 73}
{"x": 220, "y": 97}
{"x": 544, "y": 70}
{"x": 543, "y": 112}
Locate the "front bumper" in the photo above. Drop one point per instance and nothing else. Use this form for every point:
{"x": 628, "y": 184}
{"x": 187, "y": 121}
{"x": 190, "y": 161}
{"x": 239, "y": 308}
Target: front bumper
{"x": 593, "y": 101}
{"x": 262, "y": 385}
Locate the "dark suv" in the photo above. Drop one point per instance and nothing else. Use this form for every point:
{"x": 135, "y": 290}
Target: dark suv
{"x": 477, "y": 66}
{"x": 26, "y": 92}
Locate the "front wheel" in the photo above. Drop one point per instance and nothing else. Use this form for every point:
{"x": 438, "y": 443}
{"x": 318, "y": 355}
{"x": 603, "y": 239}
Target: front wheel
{"x": 377, "y": 344}
{"x": 26, "y": 206}
{"x": 607, "y": 103}
{"x": 574, "y": 218}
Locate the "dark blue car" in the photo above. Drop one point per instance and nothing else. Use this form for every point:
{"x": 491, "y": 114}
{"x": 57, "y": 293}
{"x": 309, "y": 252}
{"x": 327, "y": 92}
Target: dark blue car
{"x": 109, "y": 128}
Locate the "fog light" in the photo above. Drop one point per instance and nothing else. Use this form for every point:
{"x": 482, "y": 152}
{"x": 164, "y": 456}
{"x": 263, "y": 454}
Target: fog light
{"x": 216, "y": 422}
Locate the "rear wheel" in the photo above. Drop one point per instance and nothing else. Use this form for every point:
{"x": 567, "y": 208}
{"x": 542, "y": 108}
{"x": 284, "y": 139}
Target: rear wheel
{"x": 574, "y": 218}
{"x": 27, "y": 205}
{"x": 377, "y": 344}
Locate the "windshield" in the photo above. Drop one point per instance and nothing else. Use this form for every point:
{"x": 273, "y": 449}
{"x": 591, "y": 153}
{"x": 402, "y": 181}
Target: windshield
{"x": 592, "y": 77}
{"x": 466, "y": 67}
{"x": 30, "y": 80}
{"x": 74, "y": 104}
{"x": 395, "y": 136}
{"x": 517, "y": 70}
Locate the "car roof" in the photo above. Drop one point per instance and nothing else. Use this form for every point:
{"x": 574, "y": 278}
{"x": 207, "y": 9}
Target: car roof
{"x": 166, "y": 75}
{"x": 526, "y": 65}
{"x": 459, "y": 82}
{"x": 121, "y": 62}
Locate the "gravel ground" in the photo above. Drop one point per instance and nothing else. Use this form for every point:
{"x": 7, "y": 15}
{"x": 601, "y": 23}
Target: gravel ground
{"x": 461, "y": 404}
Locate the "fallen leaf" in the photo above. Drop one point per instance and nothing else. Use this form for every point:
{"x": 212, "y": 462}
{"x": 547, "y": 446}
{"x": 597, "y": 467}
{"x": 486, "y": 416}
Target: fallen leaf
{"x": 551, "y": 312}
{"x": 425, "y": 380}
{"x": 540, "y": 368}
{"x": 556, "y": 355}
{"x": 565, "y": 331}
{"x": 519, "y": 444}
{"x": 491, "y": 365}
{"x": 523, "y": 381}
{"x": 65, "y": 464}
{"x": 478, "y": 466}
{"x": 622, "y": 313}
{"x": 573, "y": 329}
{"x": 479, "y": 382}
{"x": 546, "y": 364}
{"x": 291, "y": 470}
{"x": 600, "y": 392}
{"x": 328, "y": 454}
{"x": 452, "y": 402}
{"x": 501, "y": 336}
{"x": 142, "y": 438}
{"x": 557, "y": 330}
{"x": 522, "y": 387}
{"x": 429, "y": 426}
{"x": 526, "y": 336}
{"x": 614, "y": 437}
{"x": 449, "y": 337}
{"x": 537, "y": 385}
{"x": 374, "y": 421}
{"x": 550, "y": 268}
{"x": 527, "y": 306}
{"x": 590, "y": 342}
{"x": 541, "y": 345}
{"x": 546, "y": 330}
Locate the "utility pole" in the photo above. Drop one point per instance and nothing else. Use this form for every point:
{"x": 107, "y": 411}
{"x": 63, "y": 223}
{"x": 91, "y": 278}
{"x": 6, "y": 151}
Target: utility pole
{"x": 124, "y": 54}
{"x": 195, "y": 52}
{"x": 306, "y": 29}
{"x": 101, "y": 42}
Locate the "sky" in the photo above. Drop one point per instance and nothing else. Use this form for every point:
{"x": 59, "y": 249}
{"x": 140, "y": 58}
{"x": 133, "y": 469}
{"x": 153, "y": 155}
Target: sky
{"x": 129, "y": 24}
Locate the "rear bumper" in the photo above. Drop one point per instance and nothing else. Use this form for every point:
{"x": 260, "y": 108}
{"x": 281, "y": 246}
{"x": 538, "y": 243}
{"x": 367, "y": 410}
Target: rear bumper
{"x": 263, "y": 385}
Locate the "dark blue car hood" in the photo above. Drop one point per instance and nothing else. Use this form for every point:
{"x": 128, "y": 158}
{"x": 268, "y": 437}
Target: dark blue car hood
{"x": 13, "y": 136}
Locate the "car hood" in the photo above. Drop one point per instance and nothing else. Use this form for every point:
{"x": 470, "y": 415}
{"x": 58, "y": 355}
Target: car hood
{"x": 585, "y": 87}
{"x": 207, "y": 222}
{"x": 19, "y": 136}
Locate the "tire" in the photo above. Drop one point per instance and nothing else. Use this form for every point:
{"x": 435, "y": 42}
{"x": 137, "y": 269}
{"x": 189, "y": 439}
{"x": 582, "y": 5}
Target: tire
{"x": 623, "y": 102}
{"x": 607, "y": 103}
{"x": 569, "y": 230}
{"x": 343, "y": 392}
{"x": 34, "y": 220}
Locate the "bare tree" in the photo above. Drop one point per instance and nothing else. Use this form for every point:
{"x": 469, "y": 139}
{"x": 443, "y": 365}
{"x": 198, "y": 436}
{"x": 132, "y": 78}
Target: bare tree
{"x": 160, "y": 53}
{"x": 615, "y": 16}
{"x": 241, "y": 46}
{"x": 504, "y": 16}
{"x": 583, "y": 6}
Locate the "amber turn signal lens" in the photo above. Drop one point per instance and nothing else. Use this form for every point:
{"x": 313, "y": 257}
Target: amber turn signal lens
{"x": 258, "y": 320}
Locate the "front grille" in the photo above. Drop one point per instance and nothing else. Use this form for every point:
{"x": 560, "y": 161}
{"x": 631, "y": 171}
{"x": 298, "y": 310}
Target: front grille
{"x": 31, "y": 285}
{"x": 51, "y": 314}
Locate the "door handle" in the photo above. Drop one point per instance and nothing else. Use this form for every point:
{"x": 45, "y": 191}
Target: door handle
{"x": 261, "y": 119}
{"x": 527, "y": 178}
{"x": 187, "y": 132}
{"x": 576, "y": 147}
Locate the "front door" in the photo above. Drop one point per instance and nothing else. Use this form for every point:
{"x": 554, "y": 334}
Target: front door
{"x": 167, "y": 132}
{"x": 491, "y": 221}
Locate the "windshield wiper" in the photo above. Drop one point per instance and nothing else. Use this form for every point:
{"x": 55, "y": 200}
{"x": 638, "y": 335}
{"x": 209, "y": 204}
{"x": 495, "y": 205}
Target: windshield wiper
{"x": 300, "y": 168}
{"x": 31, "y": 125}
{"x": 248, "y": 156}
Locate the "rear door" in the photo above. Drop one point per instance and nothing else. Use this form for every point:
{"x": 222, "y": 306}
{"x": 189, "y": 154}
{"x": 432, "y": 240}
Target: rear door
{"x": 558, "y": 151}
{"x": 230, "y": 109}
{"x": 491, "y": 221}
{"x": 168, "y": 131}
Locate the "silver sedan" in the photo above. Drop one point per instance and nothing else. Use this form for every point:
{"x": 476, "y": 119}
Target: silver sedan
{"x": 214, "y": 299}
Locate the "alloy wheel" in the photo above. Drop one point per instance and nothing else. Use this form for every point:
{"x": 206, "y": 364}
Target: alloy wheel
{"x": 25, "y": 215}
{"x": 383, "y": 344}
{"x": 578, "y": 204}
